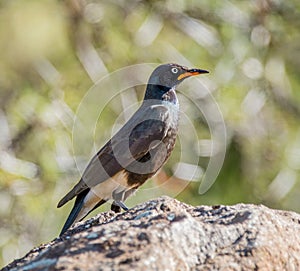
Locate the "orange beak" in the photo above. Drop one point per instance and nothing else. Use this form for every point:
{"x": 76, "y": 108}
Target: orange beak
{"x": 191, "y": 72}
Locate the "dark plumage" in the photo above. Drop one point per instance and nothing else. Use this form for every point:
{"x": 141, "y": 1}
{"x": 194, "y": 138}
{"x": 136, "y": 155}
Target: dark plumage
{"x": 136, "y": 152}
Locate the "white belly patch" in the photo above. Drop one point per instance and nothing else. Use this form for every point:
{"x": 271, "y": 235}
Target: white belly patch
{"x": 116, "y": 185}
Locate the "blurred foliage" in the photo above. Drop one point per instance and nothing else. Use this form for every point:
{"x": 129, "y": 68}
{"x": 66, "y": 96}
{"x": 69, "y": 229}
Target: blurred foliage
{"x": 53, "y": 51}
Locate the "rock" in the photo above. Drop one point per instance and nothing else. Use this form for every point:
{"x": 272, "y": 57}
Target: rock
{"x": 165, "y": 234}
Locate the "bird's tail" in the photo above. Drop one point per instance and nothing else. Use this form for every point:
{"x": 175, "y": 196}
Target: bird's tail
{"x": 74, "y": 212}
{"x": 81, "y": 209}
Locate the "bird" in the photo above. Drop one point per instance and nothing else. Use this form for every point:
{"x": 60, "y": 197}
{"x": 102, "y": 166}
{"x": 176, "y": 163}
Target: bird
{"x": 136, "y": 152}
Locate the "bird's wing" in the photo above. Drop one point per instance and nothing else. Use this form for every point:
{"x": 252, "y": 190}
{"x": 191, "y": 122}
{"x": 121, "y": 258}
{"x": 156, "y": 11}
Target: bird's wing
{"x": 146, "y": 128}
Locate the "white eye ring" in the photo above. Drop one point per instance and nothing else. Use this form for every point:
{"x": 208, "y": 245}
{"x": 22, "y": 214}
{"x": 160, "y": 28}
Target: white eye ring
{"x": 174, "y": 70}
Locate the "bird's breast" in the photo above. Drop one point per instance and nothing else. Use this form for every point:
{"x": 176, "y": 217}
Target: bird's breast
{"x": 172, "y": 118}
{"x": 157, "y": 156}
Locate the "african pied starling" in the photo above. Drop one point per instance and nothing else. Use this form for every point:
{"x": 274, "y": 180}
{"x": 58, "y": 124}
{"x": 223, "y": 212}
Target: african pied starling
{"x": 136, "y": 152}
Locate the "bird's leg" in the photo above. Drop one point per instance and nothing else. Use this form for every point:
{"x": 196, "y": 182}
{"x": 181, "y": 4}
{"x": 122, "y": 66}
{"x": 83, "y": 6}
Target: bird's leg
{"x": 122, "y": 205}
{"x": 117, "y": 205}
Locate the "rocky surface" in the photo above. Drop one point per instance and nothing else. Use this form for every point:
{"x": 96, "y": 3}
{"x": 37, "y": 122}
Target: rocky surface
{"x": 165, "y": 234}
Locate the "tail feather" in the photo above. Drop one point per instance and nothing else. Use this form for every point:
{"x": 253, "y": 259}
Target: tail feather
{"x": 74, "y": 212}
{"x": 79, "y": 211}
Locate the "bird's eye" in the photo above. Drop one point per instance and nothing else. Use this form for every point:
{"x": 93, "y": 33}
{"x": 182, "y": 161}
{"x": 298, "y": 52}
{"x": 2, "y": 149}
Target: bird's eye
{"x": 174, "y": 70}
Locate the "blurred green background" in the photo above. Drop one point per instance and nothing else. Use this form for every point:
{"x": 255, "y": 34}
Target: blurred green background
{"x": 52, "y": 52}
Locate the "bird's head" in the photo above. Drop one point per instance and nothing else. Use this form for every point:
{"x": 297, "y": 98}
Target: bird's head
{"x": 168, "y": 76}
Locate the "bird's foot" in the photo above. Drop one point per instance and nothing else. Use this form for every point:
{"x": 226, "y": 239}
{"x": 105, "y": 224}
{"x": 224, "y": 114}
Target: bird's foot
{"x": 117, "y": 205}
{"x": 115, "y": 208}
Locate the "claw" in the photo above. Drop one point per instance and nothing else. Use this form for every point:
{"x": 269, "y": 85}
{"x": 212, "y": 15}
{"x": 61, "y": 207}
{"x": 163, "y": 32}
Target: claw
{"x": 119, "y": 204}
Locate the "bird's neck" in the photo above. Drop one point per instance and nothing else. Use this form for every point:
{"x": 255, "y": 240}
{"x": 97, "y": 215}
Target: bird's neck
{"x": 162, "y": 93}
